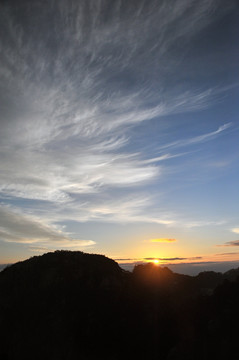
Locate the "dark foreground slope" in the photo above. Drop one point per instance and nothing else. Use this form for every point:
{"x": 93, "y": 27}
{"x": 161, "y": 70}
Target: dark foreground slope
{"x": 71, "y": 305}
{"x": 62, "y": 305}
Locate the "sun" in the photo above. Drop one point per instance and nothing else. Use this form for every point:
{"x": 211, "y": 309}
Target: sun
{"x": 155, "y": 262}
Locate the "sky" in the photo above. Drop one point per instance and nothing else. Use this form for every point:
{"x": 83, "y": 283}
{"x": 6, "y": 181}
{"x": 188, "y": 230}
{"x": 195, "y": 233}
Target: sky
{"x": 119, "y": 130}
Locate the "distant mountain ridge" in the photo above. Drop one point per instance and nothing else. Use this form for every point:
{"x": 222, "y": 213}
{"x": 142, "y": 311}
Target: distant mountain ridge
{"x": 3, "y": 266}
{"x": 84, "y": 306}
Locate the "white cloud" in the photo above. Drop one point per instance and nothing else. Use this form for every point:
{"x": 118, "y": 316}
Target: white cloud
{"x": 201, "y": 223}
{"x": 162, "y": 158}
{"x": 235, "y": 230}
{"x": 57, "y": 175}
{"x": 116, "y": 207}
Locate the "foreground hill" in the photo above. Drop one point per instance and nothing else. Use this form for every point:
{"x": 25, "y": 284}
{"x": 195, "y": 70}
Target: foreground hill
{"x": 72, "y": 305}
{"x": 60, "y": 306}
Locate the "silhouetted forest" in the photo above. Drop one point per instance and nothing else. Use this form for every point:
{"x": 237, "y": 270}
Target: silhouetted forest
{"x": 72, "y": 305}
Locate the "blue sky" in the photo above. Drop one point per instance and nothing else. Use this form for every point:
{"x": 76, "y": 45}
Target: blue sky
{"x": 119, "y": 125}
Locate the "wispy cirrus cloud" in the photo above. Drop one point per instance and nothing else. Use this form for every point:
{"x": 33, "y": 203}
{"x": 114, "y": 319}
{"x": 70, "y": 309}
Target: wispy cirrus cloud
{"x": 117, "y": 208}
{"x": 75, "y": 80}
{"x": 76, "y": 90}
{"x": 197, "y": 139}
{"x": 58, "y": 102}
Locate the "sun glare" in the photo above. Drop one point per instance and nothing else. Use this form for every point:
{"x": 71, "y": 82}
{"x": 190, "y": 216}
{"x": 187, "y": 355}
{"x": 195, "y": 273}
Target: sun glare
{"x": 156, "y": 262}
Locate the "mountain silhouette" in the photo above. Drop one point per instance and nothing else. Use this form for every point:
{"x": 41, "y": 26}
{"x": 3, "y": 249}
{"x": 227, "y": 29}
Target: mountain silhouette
{"x": 73, "y": 305}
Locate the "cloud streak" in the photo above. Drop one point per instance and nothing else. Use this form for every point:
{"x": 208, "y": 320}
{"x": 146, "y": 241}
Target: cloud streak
{"x": 230, "y": 243}
{"x": 197, "y": 139}
{"x": 28, "y": 230}
{"x": 166, "y": 259}
{"x": 162, "y": 240}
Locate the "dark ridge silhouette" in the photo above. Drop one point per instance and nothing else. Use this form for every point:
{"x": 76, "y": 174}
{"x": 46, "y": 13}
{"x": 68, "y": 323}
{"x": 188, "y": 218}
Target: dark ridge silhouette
{"x": 72, "y": 305}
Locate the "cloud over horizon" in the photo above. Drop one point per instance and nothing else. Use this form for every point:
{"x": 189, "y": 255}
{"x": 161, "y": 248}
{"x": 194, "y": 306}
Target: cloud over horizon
{"x": 162, "y": 240}
{"x": 230, "y": 243}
